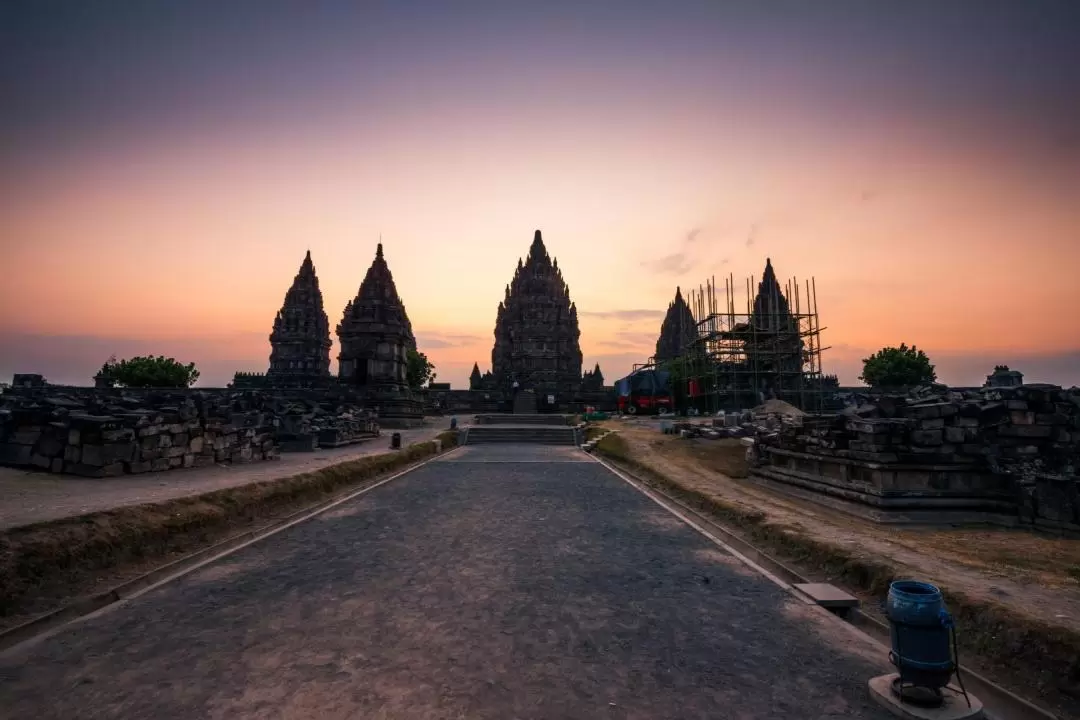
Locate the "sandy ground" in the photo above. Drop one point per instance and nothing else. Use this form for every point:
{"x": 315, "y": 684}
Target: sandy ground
{"x": 486, "y": 585}
{"x": 1031, "y": 573}
{"x": 28, "y": 497}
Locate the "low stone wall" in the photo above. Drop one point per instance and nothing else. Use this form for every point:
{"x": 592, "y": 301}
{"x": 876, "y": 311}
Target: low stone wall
{"x": 935, "y": 454}
{"x": 56, "y": 437}
{"x": 98, "y": 432}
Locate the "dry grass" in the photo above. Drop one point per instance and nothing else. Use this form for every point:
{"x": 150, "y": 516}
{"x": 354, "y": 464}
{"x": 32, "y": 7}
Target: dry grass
{"x": 1027, "y": 652}
{"x": 61, "y": 557}
{"x": 726, "y": 456}
{"x": 593, "y": 431}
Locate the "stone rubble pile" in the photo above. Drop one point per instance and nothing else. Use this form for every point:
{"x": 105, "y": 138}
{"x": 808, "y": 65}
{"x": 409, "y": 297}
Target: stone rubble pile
{"x": 1031, "y": 428}
{"x": 306, "y": 425}
{"x": 1029, "y": 433}
{"x": 108, "y": 436}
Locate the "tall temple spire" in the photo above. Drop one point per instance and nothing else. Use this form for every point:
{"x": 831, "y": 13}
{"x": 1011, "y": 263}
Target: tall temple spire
{"x": 375, "y": 331}
{"x": 300, "y": 341}
{"x": 771, "y": 309}
{"x": 778, "y": 345}
{"x": 537, "y": 337}
{"x": 677, "y": 330}
{"x": 537, "y": 248}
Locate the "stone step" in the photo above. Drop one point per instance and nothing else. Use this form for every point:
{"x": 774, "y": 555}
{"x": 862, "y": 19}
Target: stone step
{"x": 551, "y": 435}
{"x": 522, "y": 419}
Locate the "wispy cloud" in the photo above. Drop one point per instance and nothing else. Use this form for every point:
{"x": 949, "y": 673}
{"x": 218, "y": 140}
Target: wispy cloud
{"x": 439, "y": 340}
{"x": 752, "y": 237}
{"x": 674, "y": 264}
{"x": 625, "y": 315}
{"x": 684, "y": 259}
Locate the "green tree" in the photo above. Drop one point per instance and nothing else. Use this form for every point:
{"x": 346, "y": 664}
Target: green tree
{"x": 148, "y": 371}
{"x": 895, "y": 367}
{"x": 418, "y": 370}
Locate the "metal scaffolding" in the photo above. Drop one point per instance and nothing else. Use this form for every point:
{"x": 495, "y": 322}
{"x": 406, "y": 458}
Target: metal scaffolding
{"x": 739, "y": 359}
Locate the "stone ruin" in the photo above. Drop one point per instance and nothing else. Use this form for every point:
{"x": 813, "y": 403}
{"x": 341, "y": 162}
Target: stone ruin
{"x": 1001, "y": 455}
{"x": 100, "y": 433}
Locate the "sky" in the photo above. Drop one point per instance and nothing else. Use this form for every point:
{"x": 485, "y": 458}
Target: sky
{"x": 164, "y": 166}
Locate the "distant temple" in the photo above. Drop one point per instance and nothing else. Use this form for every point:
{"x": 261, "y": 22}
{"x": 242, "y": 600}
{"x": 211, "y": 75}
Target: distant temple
{"x": 375, "y": 334}
{"x": 593, "y": 381}
{"x": 773, "y": 341}
{"x": 536, "y": 356}
{"x": 1003, "y": 377}
{"x": 537, "y": 346}
{"x": 300, "y": 341}
{"x": 677, "y": 331}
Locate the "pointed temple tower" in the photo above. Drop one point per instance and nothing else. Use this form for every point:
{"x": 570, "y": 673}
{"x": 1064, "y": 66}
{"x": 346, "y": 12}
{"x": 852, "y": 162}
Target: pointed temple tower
{"x": 300, "y": 341}
{"x": 373, "y": 336}
{"x": 593, "y": 381}
{"x": 536, "y": 332}
{"x": 774, "y": 343}
{"x": 677, "y": 331}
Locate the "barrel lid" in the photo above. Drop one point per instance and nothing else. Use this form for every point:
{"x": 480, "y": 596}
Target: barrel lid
{"x": 914, "y": 591}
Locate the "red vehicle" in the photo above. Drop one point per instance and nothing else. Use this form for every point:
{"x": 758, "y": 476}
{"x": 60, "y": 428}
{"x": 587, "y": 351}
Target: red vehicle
{"x": 645, "y": 391}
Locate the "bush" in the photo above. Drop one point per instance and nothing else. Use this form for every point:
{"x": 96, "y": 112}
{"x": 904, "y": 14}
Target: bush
{"x": 147, "y": 372}
{"x": 897, "y": 367}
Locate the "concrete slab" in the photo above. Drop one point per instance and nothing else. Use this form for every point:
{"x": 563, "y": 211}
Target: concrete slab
{"x": 954, "y": 708}
{"x": 827, "y": 596}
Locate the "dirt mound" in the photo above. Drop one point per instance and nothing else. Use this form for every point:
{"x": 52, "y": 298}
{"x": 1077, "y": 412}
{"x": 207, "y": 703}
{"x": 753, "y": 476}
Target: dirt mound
{"x": 777, "y": 407}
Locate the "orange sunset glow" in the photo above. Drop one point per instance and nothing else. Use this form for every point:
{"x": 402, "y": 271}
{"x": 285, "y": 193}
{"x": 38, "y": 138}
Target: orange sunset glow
{"x": 158, "y": 198}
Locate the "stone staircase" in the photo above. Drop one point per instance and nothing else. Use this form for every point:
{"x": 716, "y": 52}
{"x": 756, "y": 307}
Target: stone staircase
{"x": 531, "y": 429}
{"x": 523, "y": 419}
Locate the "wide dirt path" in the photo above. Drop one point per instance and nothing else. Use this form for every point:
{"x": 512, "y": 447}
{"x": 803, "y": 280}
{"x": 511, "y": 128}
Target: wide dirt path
{"x": 500, "y": 583}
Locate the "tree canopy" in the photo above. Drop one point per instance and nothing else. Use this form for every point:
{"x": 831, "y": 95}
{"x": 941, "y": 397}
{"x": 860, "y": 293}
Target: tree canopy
{"x": 419, "y": 371}
{"x": 148, "y": 371}
{"x": 897, "y": 367}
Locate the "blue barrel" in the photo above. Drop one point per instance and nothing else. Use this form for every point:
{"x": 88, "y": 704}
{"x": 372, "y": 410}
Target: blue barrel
{"x": 453, "y": 422}
{"x": 920, "y": 633}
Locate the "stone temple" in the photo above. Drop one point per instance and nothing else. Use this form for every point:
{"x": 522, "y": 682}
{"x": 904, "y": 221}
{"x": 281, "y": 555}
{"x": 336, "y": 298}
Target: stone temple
{"x": 374, "y": 337}
{"x": 773, "y": 341}
{"x": 677, "y": 331}
{"x": 375, "y": 334}
{"x": 300, "y": 341}
{"x": 537, "y": 347}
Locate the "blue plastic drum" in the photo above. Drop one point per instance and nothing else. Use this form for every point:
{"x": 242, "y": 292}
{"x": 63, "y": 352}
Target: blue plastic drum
{"x": 920, "y": 633}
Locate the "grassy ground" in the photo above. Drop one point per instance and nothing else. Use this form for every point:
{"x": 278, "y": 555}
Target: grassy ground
{"x": 1019, "y": 639}
{"x": 594, "y": 431}
{"x": 43, "y": 565}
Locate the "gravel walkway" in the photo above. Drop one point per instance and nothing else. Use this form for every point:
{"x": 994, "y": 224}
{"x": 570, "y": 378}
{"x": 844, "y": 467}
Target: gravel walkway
{"x": 28, "y": 497}
{"x": 486, "y": 589}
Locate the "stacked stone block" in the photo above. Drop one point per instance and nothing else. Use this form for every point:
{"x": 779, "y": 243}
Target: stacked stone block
{"x": 1029, "y": 435}
{"x": 61, "y": 440}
